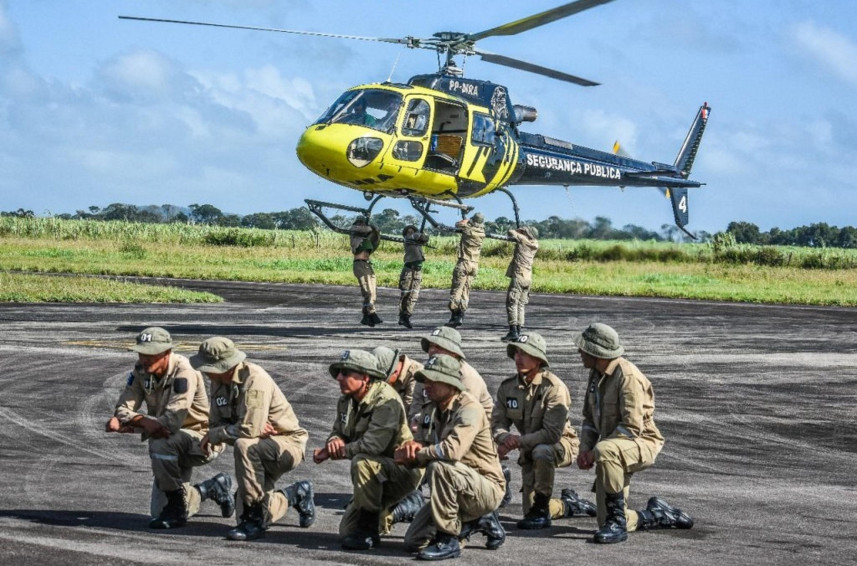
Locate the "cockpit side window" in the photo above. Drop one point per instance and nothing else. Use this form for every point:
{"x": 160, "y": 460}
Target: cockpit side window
{"x": 483, "y": 129}
{"x": 371, "y": 108}
{"x": 416, "y": 118}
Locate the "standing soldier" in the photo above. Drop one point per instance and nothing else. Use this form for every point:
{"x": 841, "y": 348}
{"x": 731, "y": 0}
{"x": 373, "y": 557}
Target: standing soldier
{"x": 469, "y": 249}
{"x": 454, "y": 444}
{"x": 536, "y": 402}
{"x": 251, "y": 413}
{"x": 175, "y": 423}
{"x": 619, "y": 437}
{"x": 370, "y": 424}
{"x": 365, "y": 239}
{"x": 520, "y": 274}
{"x": 411, "y": 278}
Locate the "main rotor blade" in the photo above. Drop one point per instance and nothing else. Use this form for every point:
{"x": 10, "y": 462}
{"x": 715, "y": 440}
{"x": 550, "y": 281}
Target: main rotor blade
{"x": 537, "y": 20}
{"x": 537, "y": 69}
{"x": 405, "y": 41}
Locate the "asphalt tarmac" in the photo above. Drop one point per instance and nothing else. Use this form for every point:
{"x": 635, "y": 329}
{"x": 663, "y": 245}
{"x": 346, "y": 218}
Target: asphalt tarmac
{"x": 757, "y": 404}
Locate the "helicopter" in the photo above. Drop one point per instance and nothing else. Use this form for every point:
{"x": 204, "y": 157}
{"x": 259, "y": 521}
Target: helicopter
{"x": 440, "y": 138}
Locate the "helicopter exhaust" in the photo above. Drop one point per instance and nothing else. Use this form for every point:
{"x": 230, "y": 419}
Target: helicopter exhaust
{"x": 525, "y": 113}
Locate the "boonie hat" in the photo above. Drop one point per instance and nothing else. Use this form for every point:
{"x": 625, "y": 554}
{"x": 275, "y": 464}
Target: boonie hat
{"x": 447, "y": 338}
{"x": 217, "y": 355}
{"x": 479, "y": 217}
{"x": 530, "y": 343}
{"x": 409, "y": 228}
{"x": 153, "y": 341}
{"x": 357, "y": 360}
{"x": 442, "y": 369}
{"x": 532, "y": 231}
{"x": 601, "y": 341}
{"x": 388, "y": 359}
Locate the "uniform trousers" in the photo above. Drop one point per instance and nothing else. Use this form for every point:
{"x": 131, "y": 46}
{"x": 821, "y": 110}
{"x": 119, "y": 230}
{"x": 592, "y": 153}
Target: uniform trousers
{"x": 458, "y": 494}
{"x": 538, "y": 469}
{"x": 259, "y": 463}
{"x": 517, "y": 298}
{"x": 462, "y": 278}
{"x": 173, "y": 460}
{"x": 366, "y": 279}
{"x": 410, "y": 281}
{"x": 616, "y": 460}
{"x": 379, "y": 483}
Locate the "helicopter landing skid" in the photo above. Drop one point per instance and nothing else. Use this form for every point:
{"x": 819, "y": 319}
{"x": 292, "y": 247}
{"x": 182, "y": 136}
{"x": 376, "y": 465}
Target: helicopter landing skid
{"x": 317, "y": 207}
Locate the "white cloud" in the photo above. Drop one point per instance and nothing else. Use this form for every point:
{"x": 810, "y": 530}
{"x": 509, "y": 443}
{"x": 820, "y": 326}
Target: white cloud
{"x": 10, "y": 44}
{"x": 834, "y": 51}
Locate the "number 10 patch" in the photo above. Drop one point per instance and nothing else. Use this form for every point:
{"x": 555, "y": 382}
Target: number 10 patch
{"x": 512, "y": 403}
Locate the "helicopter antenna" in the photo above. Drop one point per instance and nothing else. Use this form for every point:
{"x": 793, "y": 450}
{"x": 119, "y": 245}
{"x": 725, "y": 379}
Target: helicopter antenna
{"x": 395, "y": 63}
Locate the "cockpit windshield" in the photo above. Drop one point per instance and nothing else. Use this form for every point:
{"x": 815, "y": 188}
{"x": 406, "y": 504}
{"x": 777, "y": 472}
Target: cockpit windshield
{"x": 371, "y": 108}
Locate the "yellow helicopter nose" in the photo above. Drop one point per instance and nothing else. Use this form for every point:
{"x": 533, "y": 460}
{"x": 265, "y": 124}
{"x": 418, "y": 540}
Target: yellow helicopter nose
{"x": 340, "y": 152}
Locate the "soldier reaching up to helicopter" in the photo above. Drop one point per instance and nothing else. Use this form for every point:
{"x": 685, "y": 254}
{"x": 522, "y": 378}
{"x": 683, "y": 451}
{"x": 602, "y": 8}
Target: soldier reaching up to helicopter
{"x": 365, "y": 238}
{"x": 410, "y": 280}
{"x": 520, "y": 274}
{"x": 472, "y": 232}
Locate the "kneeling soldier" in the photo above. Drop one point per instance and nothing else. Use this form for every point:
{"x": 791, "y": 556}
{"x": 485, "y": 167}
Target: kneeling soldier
{"x": 536, "y": 402}
{"x": 370, "y": 424}
{"x": 176, "y": 422}
{"x": 619, "y": 437}
{"x": 454, "y": 444}
{"x": 251, "y": 413}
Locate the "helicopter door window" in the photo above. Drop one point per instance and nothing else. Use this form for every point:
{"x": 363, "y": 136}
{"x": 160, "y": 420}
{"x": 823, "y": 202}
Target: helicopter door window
{"x": 371, "y": 108}
{"x": 483, "y": 129}
{"x": 416, "y": 118}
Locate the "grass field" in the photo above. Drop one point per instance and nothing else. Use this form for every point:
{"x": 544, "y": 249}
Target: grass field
{"x": 697, "y": 271}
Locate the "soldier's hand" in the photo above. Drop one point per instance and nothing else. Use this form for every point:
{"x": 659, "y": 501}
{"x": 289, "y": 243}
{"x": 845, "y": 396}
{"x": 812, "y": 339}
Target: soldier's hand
{"x": 268, "y": 430}
{"x": 512, "y": 442}
{"x": 113, "y": 425}
{"x": 319, "y": 455}
{"x": 205, "y": 445}
{"x": 153, "y": 428}
{"x": 407, "y": 452}
{"x": 336, "y": 448}
{"x": 585, "y": 460}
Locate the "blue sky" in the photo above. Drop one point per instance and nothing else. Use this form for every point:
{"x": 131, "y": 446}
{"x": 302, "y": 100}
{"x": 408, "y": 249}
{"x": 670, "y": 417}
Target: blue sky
{"x": 96, "y": 110}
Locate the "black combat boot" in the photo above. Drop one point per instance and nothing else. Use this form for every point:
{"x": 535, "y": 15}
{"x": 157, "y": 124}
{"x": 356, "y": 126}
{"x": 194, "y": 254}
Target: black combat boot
{"x": 219, "y": 489}
{"x": 444, "y": 545}
{"x": 453, "y": 319}
{"x": 375, "y": 319}
{"x": 513, "y": 334}
{"x": 405, "y": 320}
{"x": 489, "y": 525}
{"x": 615, "y": 528}
{"x": 507, "y": 497}
{"x": 661, "y": 515}
{"x": 405, "y": 510}
{"x": 174, "y": 513}
{"x": 575, "y": 506}
{"x": 366, "y": 320}
{"x": 252, "y": 525}
{"x": 302, "y": 498}
{"x": 366, "y": 537}
{"x": 539, "y": 515}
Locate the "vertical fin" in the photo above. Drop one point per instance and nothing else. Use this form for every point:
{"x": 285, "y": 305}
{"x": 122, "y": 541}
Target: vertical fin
{"x": 684, "y": 160}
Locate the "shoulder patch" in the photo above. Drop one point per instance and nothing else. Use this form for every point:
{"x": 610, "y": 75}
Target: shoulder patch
{"x": 180, "y": 385}
{"x": 130, "y": 380}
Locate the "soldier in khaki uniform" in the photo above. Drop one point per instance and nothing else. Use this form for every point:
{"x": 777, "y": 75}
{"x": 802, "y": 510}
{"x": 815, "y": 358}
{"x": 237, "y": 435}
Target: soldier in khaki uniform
{"x": 175, "y": 423}
{"x": 520, "y": 274}
{"x": 536, "y": 403}
{"x": 365, "y": 239}
{"x": 619, "y": 437}
{"x": 472, "y": 232}
{"x": 400, "y": 370}
{"x": 370, "y": 424}
{"x": 250, "y": 412}
{"x": 454, "y": 444}
{"x": 411, "y": 278}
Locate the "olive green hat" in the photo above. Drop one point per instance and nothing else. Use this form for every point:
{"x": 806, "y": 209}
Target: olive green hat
{"x": 532, "y": 231}
{"x": 217, "y": 355}
{"x": 478, "y": 218}
{"x": 152, "y": 341}
{"x": 601, "y": 341}
{"x": 387, "y": 359}
{"x": 530, "y": 343}
{"x": 409, "y": 228}
{"x": 360, "y": 361}
{"x": 447, "y": 338}
{"x": 442, "y": 369}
